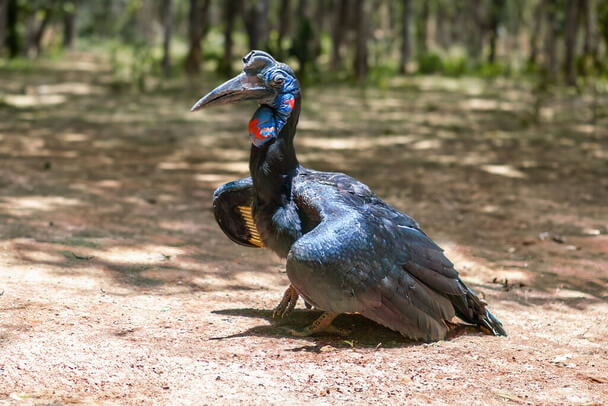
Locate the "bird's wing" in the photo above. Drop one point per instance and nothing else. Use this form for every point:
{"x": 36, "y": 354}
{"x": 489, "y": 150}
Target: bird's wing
{"x": 365, "y": 256}
{"x": 232, "y": 209}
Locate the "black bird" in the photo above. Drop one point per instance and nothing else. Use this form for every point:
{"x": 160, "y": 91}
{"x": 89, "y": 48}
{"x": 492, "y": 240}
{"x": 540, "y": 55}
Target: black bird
{"x": 347, "y": 250}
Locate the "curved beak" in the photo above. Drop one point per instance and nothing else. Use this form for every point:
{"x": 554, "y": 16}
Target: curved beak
{"x": 241, "y": 87}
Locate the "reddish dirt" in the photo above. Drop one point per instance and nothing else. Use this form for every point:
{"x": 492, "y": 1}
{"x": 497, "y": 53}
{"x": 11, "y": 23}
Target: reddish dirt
{"x": 119, "y": 288}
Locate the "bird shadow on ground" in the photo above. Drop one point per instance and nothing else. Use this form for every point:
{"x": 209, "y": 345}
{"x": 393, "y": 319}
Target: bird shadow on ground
{"x": 362, "y": 332}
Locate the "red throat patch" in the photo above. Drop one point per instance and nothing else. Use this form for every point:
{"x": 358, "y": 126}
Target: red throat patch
{"x": 254, "y": 130}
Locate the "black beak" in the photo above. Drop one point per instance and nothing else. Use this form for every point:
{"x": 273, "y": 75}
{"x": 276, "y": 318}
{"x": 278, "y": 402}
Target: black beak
{"x": 242, "y": 87}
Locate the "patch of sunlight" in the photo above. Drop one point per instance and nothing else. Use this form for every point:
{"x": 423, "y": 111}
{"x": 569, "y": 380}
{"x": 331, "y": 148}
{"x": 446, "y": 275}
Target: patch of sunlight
{"x": 148, "y": 254}
{"x": 251, "y": 278}
{"x": 512, "y": 275}
{"x": 356, "y": 142}
{"x": 443, "y": 159}
{"x": 109, "y": 183}
{"x": 584, "y": 128}
{"x": 213, "y": 178}
{"x": 24, "y": 100}
{"x": 172, "y": 166}
{"x": 229, "y": 154}
{"x": 570, "y": 294}
{"x": 74, "y": 88}
{"x": 426, "y": 144}
{"x": 236, "y": 167}
{"x": 488, "y": 104}
{"x": 41, "y": 256}
{"x": 73, "y": 137}
{"x": 21, "y": 206}
{"x": 503, "y": 170}
{"x": 428, "y": 82}
{"x": 490, "y": 208}
{"x": 178, "y": 225}
{"x": 80, "y": 64}
{"x": 547, "y": 113}
{"x": 475, "y": 270}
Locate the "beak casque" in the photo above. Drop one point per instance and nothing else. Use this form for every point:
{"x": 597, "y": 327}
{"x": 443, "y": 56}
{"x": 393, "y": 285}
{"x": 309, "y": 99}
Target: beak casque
{"x": 241, "y": 87}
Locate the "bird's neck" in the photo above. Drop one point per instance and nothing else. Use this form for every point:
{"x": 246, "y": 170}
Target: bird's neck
{"x": 274, "y": 164}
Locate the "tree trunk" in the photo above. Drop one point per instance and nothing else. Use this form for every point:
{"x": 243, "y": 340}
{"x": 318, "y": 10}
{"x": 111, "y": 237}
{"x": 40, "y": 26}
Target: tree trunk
{"x": 536, "y": 30}
{"x": 475, "y": 29}
{"x": 338, "y": 31}
{"x": 198, "y": 19}
{"x": 39, "y": 33}
{"x": 256, "y": 23}
{"x": 167, "y": 23}
{"x": 570, "y": 41}
{"x": 318, "y": 25}
{"x": 495, "y": 14}
{"x": 422, "y": 23}
{"x": 588, "y": 15}
{"x": 3, "y": 21}
{"x": 12, "y": 35}
{"x": 284, "y": 24}
{"x": 551, "y": 40}
{"x": 405, "y": 35}
{"x": 360, "y": 63}
{"x": 69, "y": 24}
{"x": 231, "y": 7}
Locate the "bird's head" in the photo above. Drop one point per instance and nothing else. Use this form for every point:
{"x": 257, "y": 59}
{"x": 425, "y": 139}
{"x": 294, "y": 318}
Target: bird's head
{"x": 272, "y": 84}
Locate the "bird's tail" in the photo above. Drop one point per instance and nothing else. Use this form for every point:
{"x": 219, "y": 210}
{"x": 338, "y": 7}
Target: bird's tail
{"x": 473, "y": 310}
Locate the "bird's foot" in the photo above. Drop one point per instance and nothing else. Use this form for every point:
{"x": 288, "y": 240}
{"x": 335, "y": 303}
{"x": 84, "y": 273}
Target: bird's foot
{"x": 319, "y": 326}
{"x": 287, "y": 304}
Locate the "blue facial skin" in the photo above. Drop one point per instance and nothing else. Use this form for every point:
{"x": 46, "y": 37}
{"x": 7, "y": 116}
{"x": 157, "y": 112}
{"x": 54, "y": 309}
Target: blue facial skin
{"x": 270, "y": 117}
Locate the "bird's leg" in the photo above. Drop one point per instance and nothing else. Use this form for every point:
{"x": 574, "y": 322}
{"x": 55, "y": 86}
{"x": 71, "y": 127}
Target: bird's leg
{"x": 287, "y": 304}
{"x": 320, "y": 325}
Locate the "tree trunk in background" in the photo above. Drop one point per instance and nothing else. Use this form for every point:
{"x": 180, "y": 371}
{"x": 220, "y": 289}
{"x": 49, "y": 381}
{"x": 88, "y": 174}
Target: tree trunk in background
{"x": 495, "y": 14}
{"x": 536, "y": 30}
{"x": 405, "y": 35}
{"x": 551, "y": 39}
{"x": 301, "y": 46}
{"x": 39, "y": 32}
{"x": 167, "y": 26}
{"x": 69, "y": 24}
{"x": 422, "y": 23}
{"x": 475, "y": 29}
{"x": 231, "y": 7}
{"x": 338, "y": 33}
{"x": 3, "y": 21}
{"x": 441, "y": 28}
{"x": 360, "y": 62}
{"x": 12, "y": 35}
{"x": 198, "y": 16}
{"x": 589, "y": 26}
{"x": 256, "y": 23}
{"x": 318, "y": 24}
{"x": 284, "y": 24}
{"x": 572, "y": 17}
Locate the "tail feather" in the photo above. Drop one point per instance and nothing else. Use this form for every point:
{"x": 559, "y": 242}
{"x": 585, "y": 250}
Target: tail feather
{"x": 472, "y": 310}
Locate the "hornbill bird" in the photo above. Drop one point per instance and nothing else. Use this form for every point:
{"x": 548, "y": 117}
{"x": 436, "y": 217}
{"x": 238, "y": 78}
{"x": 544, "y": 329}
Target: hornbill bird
{"x": 347, "y": 250}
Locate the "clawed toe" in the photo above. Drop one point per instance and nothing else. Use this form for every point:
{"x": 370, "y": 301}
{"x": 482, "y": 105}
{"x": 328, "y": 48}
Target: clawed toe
{"x": 322, "y": 325}
{"x": 287, "y": 304}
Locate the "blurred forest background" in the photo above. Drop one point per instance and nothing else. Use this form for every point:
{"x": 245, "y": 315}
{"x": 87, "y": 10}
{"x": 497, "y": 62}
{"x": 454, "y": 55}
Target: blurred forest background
{"x": 487, "y": 121}
{"x": 555, "y": 41}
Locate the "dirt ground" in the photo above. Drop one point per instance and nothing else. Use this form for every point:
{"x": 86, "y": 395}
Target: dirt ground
{"x": 118, "y": 287}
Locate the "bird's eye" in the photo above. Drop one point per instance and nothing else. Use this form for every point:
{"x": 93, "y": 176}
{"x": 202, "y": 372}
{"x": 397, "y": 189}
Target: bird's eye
{"x": 278, "y": 80}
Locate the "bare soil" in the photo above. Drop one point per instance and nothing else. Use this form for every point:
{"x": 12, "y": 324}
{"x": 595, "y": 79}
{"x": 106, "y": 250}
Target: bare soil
{"x": 118, "y": 287}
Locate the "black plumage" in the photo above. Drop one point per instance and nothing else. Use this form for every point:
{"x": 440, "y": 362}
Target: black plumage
{"x": 347, "y": 251}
